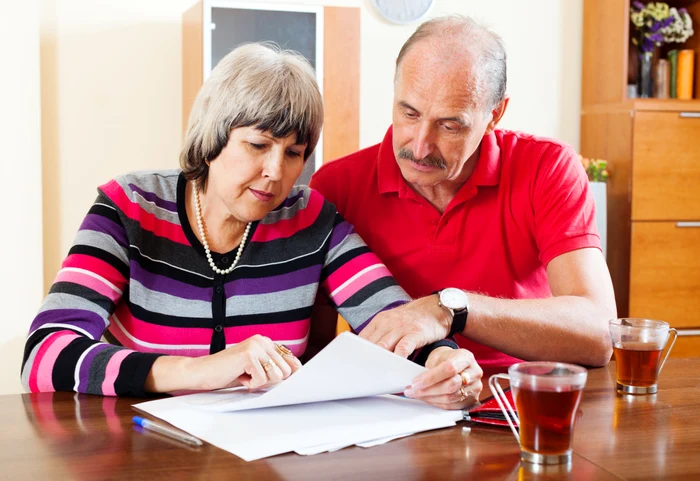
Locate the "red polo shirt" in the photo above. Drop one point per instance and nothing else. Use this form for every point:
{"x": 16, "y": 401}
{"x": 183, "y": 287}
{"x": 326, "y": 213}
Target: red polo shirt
{"x": 526, "y": 202}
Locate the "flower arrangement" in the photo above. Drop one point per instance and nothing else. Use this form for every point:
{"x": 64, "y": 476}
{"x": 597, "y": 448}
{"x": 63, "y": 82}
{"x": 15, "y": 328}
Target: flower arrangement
{"x": 596, "y": 169}
{"x": 657, "y": 23}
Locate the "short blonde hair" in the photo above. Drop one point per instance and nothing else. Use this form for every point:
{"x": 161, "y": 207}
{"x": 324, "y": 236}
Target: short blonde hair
{"x": 255, "y": 85}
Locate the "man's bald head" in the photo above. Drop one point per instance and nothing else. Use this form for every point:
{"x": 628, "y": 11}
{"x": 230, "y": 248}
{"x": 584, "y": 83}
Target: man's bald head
{"x": 462, "y": 43}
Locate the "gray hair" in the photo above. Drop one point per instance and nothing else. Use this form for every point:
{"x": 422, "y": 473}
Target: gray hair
{"x": 484, "y": 43}
{"x": 258, "y": 85}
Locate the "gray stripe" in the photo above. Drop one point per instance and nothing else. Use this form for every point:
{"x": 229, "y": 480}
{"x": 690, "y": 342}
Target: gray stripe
{"x": 60, "y": 300}
{"x": 27, "y": 368}
{"x": 350, "y": 242}
{"x": 98, "y": 368}
{"x": 375, "y": 303}
{"x": 287, "y": 300}
{"x": 103, "y": 242}
{"x": 163, "y": 183}
{"x": 236, "y": 305}
{"x": 288, "y": 212}
{"x": 166, "y": 304}
{"x": 163, "y": 187}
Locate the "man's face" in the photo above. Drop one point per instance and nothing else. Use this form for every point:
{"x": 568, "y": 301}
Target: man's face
{"x": 439, "y": 118}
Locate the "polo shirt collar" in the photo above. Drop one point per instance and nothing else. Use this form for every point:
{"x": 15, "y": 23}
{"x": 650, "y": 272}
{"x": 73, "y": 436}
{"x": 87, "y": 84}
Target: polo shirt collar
{"x": 487, "y": 170}
{"x": 389, "y": 177}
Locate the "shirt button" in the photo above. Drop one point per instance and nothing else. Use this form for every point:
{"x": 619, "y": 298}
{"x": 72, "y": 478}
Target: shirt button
{"x": 219, "y": 289}
{"x": 224, "y": 260}
{"x": 219, "y": 328}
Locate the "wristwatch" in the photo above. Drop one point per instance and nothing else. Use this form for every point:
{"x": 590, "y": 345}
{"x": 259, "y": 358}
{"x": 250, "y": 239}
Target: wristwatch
{"x": 457, "y": 302}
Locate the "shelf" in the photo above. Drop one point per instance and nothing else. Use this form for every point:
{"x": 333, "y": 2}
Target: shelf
{"x": 667, "y": 105}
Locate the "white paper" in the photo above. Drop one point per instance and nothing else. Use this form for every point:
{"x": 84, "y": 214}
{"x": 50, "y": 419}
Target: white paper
{"x": 349, "y": 367}
{"x": 338, "y": 399}
{"x": 266, "y": 432}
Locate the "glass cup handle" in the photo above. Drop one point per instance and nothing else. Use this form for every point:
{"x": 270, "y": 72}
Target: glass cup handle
{"x": 675, "y": 336}
{"x": 501, "y": 398}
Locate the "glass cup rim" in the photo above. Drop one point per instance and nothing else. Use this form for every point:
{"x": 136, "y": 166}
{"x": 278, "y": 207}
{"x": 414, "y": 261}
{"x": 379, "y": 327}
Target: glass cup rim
{"x": 634, "y": 323}
{"x": 578, "y": 373}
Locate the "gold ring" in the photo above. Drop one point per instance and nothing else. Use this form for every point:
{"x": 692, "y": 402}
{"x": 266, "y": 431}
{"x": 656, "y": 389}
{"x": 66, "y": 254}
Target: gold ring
{"x": 463, "y": 394}
{"x": 269, "y": 365}
{"x": 283, "y": 350}
{"x": 465, "y": 378}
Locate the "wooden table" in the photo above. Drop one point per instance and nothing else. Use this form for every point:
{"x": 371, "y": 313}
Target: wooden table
{"x": 65, "y": 437}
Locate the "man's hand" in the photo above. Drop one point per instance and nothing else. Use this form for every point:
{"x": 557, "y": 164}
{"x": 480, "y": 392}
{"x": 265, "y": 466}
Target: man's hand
{"x": 453, "y": 380}
{"x": 409, "y": 327}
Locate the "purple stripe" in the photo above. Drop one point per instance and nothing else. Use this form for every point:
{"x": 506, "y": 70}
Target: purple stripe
{"x": 98, "y": 223}
{"x": 265, "y": 285}
{"x": 84, "y": 376}
{"x": 289, "y": 201}
{"x": 151, "y": 197}
{"x": 167, "y": 285}
{"x": 394, "y": 304}
{"x": 86, "y": 320}
{"x": 340, "y": 232}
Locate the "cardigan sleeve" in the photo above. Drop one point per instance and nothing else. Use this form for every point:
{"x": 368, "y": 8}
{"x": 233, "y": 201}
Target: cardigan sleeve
{"x": 63, "y": 351}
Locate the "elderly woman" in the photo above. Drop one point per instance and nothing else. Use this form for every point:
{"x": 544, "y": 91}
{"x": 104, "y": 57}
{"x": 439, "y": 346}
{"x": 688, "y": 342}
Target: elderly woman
{"x": 204, "y": 278}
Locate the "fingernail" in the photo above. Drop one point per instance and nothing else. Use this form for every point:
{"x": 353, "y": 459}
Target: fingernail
{"x": 417, "y": 384}
{"x": 409, "y": 392}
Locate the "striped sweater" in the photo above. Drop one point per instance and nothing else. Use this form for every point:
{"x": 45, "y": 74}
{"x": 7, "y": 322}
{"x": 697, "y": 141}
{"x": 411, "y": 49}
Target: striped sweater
{"x": 137, "y": 275}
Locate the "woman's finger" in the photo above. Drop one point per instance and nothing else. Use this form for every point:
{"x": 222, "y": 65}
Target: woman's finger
{"x": 443, "y": 371}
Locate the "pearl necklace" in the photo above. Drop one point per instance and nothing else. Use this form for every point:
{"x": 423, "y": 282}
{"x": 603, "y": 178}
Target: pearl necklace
{"x": 206, "y": 244}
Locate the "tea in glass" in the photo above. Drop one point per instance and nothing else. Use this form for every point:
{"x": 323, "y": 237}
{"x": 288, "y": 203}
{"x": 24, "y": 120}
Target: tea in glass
{"x": 638, "y": 345}
{"x": 547, "y": 396}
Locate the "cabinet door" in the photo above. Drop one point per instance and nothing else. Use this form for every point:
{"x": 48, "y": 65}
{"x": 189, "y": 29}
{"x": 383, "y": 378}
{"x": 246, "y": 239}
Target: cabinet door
{"x": 666, "y": 166}
{"x": 665, "y": 273}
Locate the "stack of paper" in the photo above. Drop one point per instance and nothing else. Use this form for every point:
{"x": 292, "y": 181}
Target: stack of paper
{"x": 337, "y": 399}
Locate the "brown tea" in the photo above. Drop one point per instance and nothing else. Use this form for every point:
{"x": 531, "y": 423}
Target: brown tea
{"x": 546, "y": 419}
{"x": 637, "y": 364}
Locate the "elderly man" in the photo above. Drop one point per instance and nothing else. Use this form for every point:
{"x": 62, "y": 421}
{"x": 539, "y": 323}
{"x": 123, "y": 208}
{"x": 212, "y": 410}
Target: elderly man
{"x": 494, "y": 227}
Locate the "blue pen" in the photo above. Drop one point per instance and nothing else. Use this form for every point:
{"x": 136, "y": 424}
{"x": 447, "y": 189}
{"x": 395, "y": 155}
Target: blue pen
{"x": 166, "y": 431}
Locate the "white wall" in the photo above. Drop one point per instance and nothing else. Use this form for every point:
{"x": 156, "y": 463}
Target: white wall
{"x": 20, "y": 196}
{"x": 544, "y": 63}
{"x": 110, "y": 74}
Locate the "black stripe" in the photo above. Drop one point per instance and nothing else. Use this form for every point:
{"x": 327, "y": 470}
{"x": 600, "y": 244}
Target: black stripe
{"x": 133, "y": 372}
{"x": 103, "y": 255}
{"x": 165, "y": 270}
{"x": 38, "y": 336}
{"x": 368, "y": 291}
{"x": 105, "y": 211}
{"x": 85, "y": 292}
{"x": 63, "y": 374}
{"x": 341, "y": 260}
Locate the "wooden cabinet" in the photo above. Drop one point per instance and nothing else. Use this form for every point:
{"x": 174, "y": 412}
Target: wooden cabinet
{"x": 653, "y": 150}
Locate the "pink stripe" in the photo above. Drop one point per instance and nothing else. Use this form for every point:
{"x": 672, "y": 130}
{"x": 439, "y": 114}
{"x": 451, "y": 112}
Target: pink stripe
{"x": 146, "y": 220}
{"x": 288, "y": 227}
{"x": 98, "y": 266}
{"x": 89, "y": 282}
{"x": 112, "y": 371}
{"x": 360, "y": 282}
{"x": 349, "y": 269}
{"x": 155, "y": 334}
{"x": 44, "y": 381}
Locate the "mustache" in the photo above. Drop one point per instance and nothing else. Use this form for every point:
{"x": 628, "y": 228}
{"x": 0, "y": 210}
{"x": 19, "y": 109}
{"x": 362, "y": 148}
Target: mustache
{"x": 430, "y": 160}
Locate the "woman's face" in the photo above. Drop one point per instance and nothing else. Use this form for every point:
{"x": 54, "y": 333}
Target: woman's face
{"x": 254, "y": 172}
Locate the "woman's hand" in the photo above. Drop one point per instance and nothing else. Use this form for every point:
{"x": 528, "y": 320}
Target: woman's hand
{"x": 453, "y": 379}
{"x": 256, "y": 363}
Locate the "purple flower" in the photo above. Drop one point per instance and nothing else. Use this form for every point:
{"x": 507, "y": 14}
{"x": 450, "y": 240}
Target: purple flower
{"x": 638, "y": 5}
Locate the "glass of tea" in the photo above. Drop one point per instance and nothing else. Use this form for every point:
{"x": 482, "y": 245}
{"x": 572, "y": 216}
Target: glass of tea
{"x": 547, "y": 396}
{"x": 638, "y": 345}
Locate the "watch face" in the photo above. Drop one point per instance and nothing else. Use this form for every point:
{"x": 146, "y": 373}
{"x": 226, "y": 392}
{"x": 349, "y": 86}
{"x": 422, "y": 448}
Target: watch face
{"x": 453, "y": 298}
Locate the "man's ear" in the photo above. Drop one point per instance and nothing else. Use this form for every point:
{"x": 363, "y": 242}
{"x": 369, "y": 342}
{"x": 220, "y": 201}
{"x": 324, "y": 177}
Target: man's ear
{"x": 497, "y": 114}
